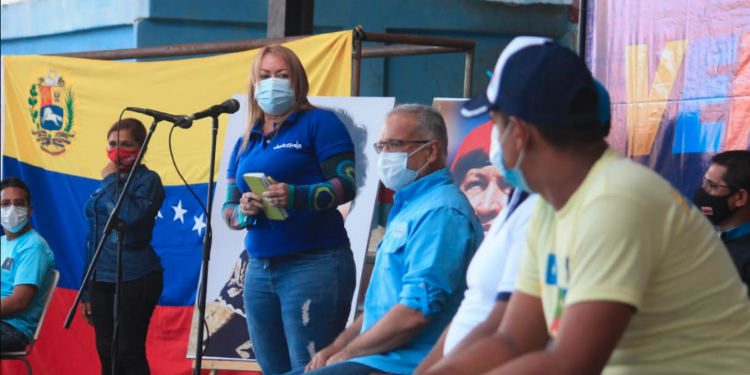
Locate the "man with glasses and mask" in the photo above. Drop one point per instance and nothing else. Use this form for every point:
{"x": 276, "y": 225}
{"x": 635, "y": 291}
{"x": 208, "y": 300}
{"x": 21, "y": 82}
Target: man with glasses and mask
{"x": 625, "y": 275}
{"x": 27, "y": 264}
{"x": 420, "y": 272}
{"x": 724, "y": 198}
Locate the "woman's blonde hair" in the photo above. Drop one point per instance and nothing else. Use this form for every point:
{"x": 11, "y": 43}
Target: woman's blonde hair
{"x": 297, "y": 78}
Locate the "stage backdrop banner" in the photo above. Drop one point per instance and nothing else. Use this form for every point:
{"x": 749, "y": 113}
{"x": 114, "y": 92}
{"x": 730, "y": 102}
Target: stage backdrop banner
{"x": 678, "y": 72}
{"x": 225, "y": 310}
{"x": 57, "y": 113}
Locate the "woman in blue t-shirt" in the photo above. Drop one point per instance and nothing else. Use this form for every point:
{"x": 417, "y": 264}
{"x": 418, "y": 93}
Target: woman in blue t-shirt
{"x": 300, "y": 277}
{"x": 142, "y": 271}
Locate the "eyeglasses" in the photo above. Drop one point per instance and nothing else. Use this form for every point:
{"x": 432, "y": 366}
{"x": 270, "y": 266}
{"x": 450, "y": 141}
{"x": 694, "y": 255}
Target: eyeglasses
{"x": 394, "y": 144}
{"x": 710, "y": 185}
{"x": 18, "y": 203}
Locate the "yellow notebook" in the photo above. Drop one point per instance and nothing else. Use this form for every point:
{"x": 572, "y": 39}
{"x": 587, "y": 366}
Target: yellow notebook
{"x": 258, "y": 183}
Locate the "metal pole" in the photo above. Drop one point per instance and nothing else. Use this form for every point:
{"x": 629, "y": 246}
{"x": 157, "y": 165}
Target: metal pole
{"x": 178, "y": 50}
{"x": 469, "y": 73}
{"x": 357, "y": 70}
{"x": 582, "y": 24}
{"x": 290, "y": 17}
{"x": 419, "y": 40}
{"x": 406, "y": 50}
{"x": 207, "y": 242}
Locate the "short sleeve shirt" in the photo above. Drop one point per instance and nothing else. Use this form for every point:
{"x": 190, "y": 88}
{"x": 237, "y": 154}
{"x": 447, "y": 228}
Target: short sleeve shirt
{"x": 293, "y": 156}
{"x": 627, "y": 236}
{"x": 493, "y": 270}
{"x": 26, "y": 260}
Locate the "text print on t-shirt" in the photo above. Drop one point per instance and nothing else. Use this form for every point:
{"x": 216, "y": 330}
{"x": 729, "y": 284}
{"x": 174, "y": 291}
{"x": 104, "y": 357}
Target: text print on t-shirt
{"x": 295, "y": 145}
{"x": 553, "y": 279}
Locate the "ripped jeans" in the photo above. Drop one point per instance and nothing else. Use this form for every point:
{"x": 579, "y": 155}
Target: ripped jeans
{"x": 297, "y": 304}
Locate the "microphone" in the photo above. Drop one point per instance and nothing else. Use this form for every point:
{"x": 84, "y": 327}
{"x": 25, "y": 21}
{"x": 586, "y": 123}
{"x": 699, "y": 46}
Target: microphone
{"x": 229, "y": 106}
{"x": 182, "y": 121}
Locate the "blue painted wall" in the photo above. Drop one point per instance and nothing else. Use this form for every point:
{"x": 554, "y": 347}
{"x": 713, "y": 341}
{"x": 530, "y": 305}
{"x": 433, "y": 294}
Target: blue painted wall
{"x": 57, "y": 26}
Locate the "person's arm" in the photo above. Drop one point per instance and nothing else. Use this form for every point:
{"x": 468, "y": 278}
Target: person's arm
{"x": 340, "y": 187}
{"x": 588, "y": 335}
{"x": 19, "y": 301}
{"x": 482, "y": 330}
{"x": 32, "y": 270}
{"x": 434, "y": 356}
{"x": 230, "y": 211}
{"x": 396, "y": 328}
{"x": 523, "y": 330}
{"x": 485, "y": 329}
{"x": 349, "y": 334}
{"x": 141, "y": 200}
{"x": 334, "y": 151}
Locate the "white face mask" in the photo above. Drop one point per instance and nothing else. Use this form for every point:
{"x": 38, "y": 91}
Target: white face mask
{"x": 15, "y": 218}
{"x": 393, "y": 171}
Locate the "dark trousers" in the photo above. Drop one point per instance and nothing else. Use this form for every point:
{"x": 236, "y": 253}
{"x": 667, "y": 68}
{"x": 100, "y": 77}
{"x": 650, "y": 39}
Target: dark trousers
{"x": 11, "y": 339}
{"x": 138, "y": 301}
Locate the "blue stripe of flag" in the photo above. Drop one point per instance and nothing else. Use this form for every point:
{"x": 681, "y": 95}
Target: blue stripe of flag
{"x": 58, "y": 201}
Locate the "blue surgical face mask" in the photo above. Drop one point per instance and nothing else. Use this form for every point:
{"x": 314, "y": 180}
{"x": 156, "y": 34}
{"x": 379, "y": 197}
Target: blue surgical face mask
{"x": 513, "y": 176}
{"x": 393, "y": 171}
{"x": 275, "y": 96}
{"x": 14, "y": 218}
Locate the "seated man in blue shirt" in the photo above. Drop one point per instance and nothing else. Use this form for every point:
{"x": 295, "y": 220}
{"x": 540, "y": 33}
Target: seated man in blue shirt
{"x": 27, "y": 263}
{"x": 420, "y": 271}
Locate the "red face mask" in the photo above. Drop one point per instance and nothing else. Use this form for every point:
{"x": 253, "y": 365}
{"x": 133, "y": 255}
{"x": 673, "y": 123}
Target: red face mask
{"x": 127, "y": 157}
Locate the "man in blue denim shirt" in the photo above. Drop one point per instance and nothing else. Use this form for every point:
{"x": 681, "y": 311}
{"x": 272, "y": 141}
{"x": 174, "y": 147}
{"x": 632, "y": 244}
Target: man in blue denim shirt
{"x": 420, "y": 271}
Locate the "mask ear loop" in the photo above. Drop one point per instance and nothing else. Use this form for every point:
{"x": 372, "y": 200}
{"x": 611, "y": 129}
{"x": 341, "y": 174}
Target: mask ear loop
{"x": 504, "y": 138}
{"x": 523, "y": 150}
{"x": 415, "y": 151}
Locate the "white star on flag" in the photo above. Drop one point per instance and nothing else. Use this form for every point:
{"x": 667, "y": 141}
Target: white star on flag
{"x": 199, "y": 224}
{"x": 179, "y": 212}
{"x": 158, "y": 215}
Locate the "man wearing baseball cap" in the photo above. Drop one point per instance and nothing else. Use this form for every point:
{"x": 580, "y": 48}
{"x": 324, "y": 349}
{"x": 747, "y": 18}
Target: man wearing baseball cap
{"x": 620, "y": 270}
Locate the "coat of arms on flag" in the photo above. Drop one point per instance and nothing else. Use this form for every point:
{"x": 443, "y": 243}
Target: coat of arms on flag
{"x": 51, "y": 107}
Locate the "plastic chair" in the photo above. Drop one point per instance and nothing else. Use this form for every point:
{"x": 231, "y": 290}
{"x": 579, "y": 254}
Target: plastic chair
{"x": 21, "y": 356}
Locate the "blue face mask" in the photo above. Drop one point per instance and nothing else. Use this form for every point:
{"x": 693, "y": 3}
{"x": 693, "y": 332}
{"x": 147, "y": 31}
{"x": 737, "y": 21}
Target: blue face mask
{"x": 513, "y": 176}
{"x": 274, "y": 95}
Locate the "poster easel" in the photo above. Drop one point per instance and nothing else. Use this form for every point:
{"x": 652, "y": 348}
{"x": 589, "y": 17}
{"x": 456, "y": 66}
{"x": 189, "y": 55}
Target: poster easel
{"x": 215, "y": 366}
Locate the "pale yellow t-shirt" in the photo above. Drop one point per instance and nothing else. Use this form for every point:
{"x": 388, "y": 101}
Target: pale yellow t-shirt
{"x": 627, "y": 236}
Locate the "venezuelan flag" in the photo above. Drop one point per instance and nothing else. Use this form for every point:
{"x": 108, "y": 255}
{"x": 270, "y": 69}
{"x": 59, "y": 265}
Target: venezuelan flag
{"x": 56, "y": 115}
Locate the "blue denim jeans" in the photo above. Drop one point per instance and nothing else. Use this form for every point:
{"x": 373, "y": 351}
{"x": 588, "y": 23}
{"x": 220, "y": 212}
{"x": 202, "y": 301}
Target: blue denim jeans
{"x": 297, "y": 304}
{"x": 342, "y": 368}
{"x": 11, "y": 339}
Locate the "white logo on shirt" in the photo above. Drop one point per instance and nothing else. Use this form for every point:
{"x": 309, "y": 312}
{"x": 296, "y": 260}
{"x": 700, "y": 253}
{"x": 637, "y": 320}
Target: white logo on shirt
{"x": 295, "y": 145}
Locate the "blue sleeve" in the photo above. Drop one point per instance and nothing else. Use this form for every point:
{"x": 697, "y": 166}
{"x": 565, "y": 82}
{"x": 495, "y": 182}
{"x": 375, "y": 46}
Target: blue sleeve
{"x": 33, "y": 266}
{"x": 234, "y": 162}
{"x": 330, "y": 136}
{"x": 436, "y": 260}
{"x": 142, "y": 200}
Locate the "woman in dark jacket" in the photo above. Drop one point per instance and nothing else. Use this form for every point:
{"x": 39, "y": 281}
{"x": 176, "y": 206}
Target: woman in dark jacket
{"x": 142, "y": 270}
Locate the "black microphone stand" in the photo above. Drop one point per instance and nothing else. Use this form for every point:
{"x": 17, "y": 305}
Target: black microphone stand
{"x": 207, "y": 240}
{"x": 115, "y": 223}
